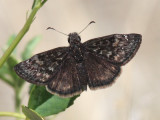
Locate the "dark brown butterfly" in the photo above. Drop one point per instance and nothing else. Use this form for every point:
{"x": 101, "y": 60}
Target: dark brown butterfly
{"x": 66, "y": 71}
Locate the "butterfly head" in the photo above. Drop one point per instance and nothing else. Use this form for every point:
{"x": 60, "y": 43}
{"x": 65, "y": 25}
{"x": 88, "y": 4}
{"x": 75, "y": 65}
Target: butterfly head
{"x": 74, "y": 38}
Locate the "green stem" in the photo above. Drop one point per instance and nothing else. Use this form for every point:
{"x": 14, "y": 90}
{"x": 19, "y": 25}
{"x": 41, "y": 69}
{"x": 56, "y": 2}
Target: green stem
{"x": 43, "y": 2}
{"x": 17, "y": 100}
{"x": 21, "y": 33}
{"x": 11, "y": 114}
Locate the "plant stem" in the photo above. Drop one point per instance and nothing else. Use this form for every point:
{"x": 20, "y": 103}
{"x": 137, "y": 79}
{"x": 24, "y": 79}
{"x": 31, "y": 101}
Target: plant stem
{"x": 11, "y": 114}
{"x": 17, "y": 100}
{"x": 43, "y": 2}
{"x": 21, "y": 33}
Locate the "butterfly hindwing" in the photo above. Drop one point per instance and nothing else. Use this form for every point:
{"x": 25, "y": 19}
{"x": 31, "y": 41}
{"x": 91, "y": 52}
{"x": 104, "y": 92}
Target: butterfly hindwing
{"x": 67, "y": 82}
{"x": 117, "y": 48}
{"x": 40, "y": 68}
{"x": 101, "y": 73}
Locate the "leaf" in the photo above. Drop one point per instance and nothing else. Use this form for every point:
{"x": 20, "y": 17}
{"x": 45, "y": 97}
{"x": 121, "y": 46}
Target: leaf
{"x": 10, "y": 40}
{"x": 27, "y": 53}
{"x": 47, "y": 104}
{"x": 38, "y": 96}
{"x": 5, "y": 75}
{"x": 4, "y": 69}
{"x": 12, "y": 61}
{"x": 31, "y": 114}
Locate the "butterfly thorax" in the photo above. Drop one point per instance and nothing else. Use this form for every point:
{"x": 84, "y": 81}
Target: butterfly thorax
{"x": 75, "y": 46}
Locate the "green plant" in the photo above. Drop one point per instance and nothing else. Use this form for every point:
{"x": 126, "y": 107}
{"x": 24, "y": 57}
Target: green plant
{"x": 41, "y": 103}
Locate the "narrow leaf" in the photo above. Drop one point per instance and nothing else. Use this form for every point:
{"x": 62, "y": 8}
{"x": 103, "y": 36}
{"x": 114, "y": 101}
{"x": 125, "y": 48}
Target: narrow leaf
{"x": 11, "y": 38}
{"x": 9, "y": 42}
{"x": 5, "y": 75}
{"x": 12, "y": 61}
{"x": 31, "y": 114}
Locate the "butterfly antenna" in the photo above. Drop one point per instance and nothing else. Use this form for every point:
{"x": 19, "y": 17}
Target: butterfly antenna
{"x": 56, "y": 30}
{"x": 87, "y": 26}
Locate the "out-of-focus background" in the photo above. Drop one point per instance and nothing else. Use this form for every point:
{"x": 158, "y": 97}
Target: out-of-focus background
{"x": 135, "y": 95}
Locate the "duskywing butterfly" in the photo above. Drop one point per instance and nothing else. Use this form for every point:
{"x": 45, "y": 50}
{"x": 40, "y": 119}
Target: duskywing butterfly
{"x": 66, "y": 71}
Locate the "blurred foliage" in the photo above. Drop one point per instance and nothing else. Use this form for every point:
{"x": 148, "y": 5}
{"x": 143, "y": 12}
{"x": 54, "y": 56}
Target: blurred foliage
{"x": 41, "y": 102}
{"x": 7, "y": 73}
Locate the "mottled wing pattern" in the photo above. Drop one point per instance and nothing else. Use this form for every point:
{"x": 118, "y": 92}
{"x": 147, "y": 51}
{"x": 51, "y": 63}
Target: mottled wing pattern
{"x": 117, "y": 48}
{"x": 66, "y": 82}
{"x": 101, "y": 73}
{"x": 40, "y": 68}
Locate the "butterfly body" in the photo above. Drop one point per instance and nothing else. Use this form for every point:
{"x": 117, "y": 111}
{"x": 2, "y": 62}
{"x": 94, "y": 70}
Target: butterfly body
{"x": 76, "y": 47}
{"x": 66, "y": 71}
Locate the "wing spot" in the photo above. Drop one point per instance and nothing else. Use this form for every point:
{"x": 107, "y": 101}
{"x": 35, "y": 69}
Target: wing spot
{"x": 59, "y": 58}
{"x": 109, "y": 54}
{"x": 27, "y": 61}
{"x": 59, "y": 53}
{"x": 126, "y": 37}
{"x": 39, "y": 62}
{"x": 51, "y": 68}
{"x": 116, "y": 42}
{"x": 46, "y": 76}
{"x": 43, "y": 80}
{"x": 94, "y": 44}
{"x": 38, "y": 74}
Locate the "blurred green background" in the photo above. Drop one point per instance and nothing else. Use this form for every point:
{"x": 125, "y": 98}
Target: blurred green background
{"x": 135, "y": 94}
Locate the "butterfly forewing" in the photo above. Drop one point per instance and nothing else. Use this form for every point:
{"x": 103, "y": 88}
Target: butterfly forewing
{"x": 40, "y": 68}
{"x": 116, "y": 48}
{"x": 101, "y": 73}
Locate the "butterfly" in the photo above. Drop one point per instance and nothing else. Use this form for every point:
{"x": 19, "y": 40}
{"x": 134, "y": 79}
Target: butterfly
{"x": 66, "y": 71}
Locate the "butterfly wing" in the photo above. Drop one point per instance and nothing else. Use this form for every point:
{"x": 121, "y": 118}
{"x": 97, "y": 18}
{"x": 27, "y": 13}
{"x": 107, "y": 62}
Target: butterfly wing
{"x": 117, "y": 48}
{"x": 40, "y": 68}
{"x": 101, "y": 73}
{"x": 67, "y": 82}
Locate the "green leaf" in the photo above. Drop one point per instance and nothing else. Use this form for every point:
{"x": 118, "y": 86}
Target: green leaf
{"x": 6, "y": 71}
{"x": 47, "y": 104}
{"x": 31, "y": 114}
{"x": 5, "y": 75}
{"x": 27, "y": 53}
{"x": 6, "y": 68}
{"x": 10, "y": 40}
{"x": 12, "y": 61}
{"x": 38, "y": 96}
